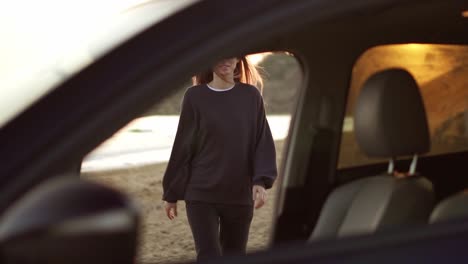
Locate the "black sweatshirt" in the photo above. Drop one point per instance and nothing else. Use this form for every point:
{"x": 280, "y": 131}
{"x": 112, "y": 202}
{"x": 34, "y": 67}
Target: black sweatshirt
{"x": 223, "y": 147}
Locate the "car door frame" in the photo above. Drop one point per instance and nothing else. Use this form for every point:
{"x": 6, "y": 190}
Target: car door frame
{"x": 111, "y": 92}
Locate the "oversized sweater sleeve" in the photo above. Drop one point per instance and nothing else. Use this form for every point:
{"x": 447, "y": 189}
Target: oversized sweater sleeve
{"x": 265, "y": 171}
{"x": 177, "y": 173}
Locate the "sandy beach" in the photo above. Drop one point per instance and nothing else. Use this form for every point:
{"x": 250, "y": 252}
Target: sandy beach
{"x": 162, "y": 240}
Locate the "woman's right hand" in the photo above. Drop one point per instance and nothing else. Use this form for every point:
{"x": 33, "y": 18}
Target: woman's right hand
{"x": 171, "y": 210}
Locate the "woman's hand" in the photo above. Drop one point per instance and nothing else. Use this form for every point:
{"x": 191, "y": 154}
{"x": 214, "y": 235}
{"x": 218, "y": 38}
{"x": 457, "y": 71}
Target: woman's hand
{"x": 259, "y": 196}
{"x": 171, "y": 210}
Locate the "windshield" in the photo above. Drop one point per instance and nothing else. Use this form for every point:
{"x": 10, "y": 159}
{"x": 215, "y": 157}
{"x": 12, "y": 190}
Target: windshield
{"x": 45, "y": 42}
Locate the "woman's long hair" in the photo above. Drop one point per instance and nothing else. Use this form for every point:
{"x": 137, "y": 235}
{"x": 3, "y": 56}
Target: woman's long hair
{"x": 245, "y": 72}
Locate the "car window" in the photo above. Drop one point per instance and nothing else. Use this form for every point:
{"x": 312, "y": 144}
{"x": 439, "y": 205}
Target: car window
{"x": 441, "y": 72}
{"x": 135, "y": 159}
{"x": 46, "y": 42}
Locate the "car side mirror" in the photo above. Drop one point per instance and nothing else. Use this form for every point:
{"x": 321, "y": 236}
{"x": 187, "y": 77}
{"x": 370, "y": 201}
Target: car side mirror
{"x": 70, "y": 220}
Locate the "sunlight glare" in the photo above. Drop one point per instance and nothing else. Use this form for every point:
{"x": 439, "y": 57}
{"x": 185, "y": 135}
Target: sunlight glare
{"x": 257, "y": 58}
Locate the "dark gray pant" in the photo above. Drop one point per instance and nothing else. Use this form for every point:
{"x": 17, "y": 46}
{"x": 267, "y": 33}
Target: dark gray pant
{"x": 219, "y": 229}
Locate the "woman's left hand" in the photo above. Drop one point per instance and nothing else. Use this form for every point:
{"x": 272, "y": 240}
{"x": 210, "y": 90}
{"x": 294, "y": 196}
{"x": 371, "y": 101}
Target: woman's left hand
{"x": 259, "y": 196}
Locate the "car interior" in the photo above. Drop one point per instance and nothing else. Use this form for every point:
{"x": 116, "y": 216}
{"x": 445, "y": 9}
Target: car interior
{"x": 374, "y": 167}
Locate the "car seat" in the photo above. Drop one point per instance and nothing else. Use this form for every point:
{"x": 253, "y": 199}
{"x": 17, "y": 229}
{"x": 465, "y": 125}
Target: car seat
{"x": 453, "y": 207}
{"x": 389, "y": 122}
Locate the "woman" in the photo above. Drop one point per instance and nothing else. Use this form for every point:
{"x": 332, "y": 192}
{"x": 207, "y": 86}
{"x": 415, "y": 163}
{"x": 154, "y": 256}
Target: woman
{"x": 223, "y": 158}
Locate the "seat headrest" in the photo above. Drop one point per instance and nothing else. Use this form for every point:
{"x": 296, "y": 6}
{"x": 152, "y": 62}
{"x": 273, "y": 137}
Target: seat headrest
{"x": 390, "y": 119}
